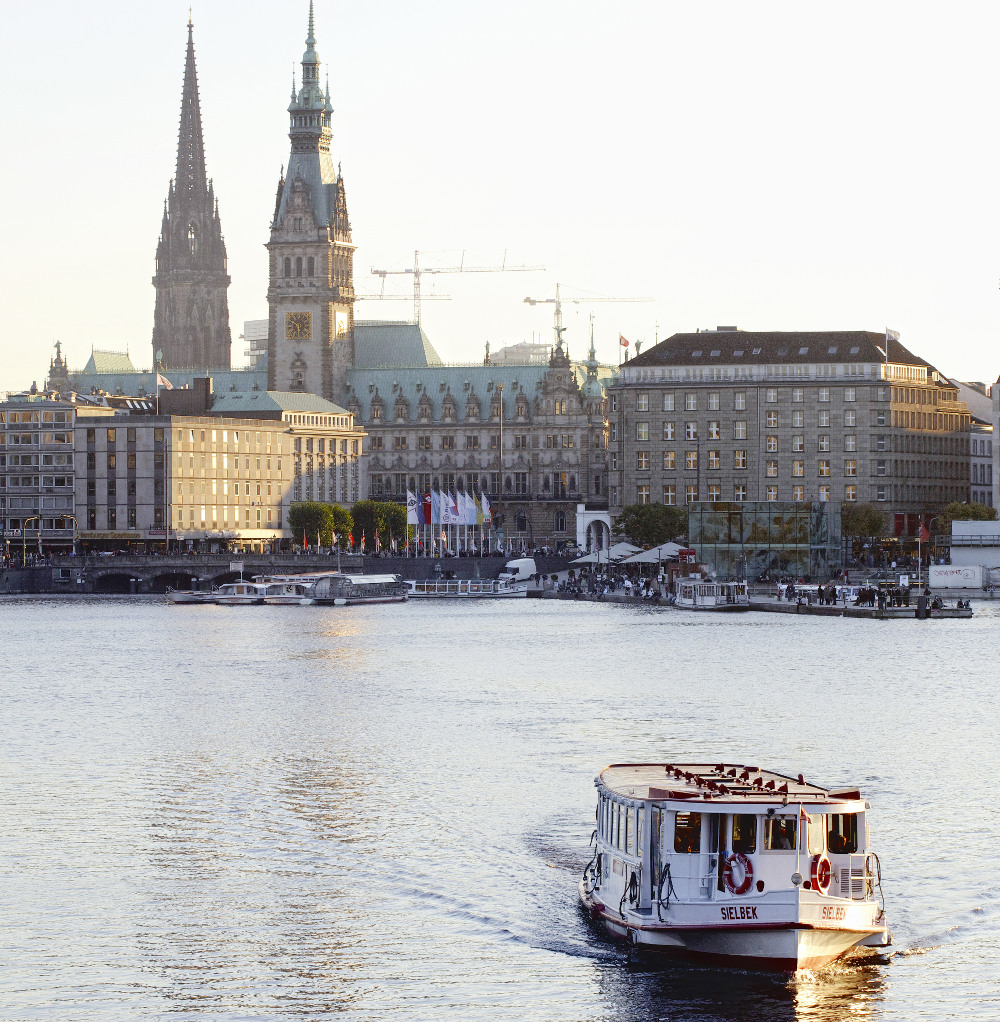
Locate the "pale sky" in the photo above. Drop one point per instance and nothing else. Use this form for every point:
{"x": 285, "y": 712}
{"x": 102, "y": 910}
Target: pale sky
{"x": 779, "y": 166}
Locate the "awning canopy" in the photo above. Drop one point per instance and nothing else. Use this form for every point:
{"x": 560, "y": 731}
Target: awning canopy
{"x": 610, "y": 555}
{"x": 663, "y": 552}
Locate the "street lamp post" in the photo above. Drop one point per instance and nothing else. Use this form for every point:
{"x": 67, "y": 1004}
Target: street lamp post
{"x": 24, "y": 529}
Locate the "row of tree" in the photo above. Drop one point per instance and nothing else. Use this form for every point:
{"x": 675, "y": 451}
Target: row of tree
{"x": 331, "y": 524}
{"x": 650, "y": 525}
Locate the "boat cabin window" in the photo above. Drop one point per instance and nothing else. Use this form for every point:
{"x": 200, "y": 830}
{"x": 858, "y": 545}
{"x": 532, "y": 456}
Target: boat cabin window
{"x": 687, "y": 832}
{"x": 630, "y": 831}
{"x": 744, "y": 834}
{"x": 779, "y": 833}
{"x": 842, "y": 834}
{"x": 814, "y": 835}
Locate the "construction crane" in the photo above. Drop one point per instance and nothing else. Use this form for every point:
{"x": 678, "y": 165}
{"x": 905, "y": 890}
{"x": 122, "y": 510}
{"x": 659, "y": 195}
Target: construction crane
{"x": 417, "y": 271}
{"x": 558, "y": 300}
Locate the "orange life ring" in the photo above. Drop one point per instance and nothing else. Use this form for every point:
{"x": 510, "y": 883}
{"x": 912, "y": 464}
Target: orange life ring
{"x": 822, "y": 873}
{"x": 738, "y": 880}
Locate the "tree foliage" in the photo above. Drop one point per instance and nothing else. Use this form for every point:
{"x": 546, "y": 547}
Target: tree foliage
{"x": 383, "y": 518}
{"x": 650, "y": 525}
{"x": 957, "y": 511}
{"x": 863, "y": 521}
{"x": 317, "y": 520}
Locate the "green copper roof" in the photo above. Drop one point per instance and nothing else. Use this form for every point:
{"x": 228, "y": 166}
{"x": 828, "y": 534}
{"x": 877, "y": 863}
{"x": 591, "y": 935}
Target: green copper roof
{"x": 251, "y": 402}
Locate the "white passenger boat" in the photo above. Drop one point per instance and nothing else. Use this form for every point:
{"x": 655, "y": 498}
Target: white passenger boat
{"x": 189, "y": 596}
{"x": 287, "y": 592}
{"x": 735, "y": 864}
{"x": 466, "y": 588}
{"x": 240, "y": 593}
{"x": 346, "y": 590}
{"x": 700, "y": 594}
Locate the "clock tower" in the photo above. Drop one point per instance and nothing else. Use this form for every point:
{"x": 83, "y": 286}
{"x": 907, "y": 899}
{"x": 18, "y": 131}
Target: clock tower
{"x": 310, "y": 291}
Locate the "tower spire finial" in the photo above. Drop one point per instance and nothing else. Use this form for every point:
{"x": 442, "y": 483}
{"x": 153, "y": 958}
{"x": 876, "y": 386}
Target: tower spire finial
{"x": 310, "y": 39}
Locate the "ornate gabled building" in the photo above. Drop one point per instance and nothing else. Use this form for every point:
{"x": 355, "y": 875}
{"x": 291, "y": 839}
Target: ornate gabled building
{"x": 310, "y": 253}
{"x": 191, "y": 319}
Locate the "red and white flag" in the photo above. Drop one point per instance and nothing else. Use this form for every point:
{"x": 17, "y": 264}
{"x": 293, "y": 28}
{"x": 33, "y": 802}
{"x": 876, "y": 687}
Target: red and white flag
{"x": 162, "y": 381}
{"x": 804, "y": 817}
{"x": 924, "y": 534}
{"x": 622, "y": 340}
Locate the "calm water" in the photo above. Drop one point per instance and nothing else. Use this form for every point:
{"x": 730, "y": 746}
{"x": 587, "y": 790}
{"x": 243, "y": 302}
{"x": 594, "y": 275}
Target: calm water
{"x": 255, "y": 813}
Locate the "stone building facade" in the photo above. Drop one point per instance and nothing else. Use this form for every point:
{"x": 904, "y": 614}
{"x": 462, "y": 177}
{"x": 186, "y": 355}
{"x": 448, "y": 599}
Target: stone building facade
{"x": 36, "y": 475}
{"x": 191, "y": 316}
{"x": 531, "y": 437}
{"x": 227, "y": 475}
{"x": 740, "y": 416}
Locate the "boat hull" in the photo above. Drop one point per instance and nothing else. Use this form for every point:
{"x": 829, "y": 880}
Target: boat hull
{"x": 780, "y": 946}
{"x": 189, "y": 596}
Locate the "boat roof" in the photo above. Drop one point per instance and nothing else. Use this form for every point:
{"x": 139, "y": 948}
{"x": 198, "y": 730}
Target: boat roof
{"x": 713, "y": 783}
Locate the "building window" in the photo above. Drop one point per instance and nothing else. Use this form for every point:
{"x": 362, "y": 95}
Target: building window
{"x": 850, "y": 442}
{"x": 850, "y": 394}
{"x": 690, "y": 430}
{"x": 740, "y": 492}
{"x": 772, "y": 420}
{"x": 714, "y": 459}
{"x": 881, "y": 468}
{"x": 668, "y": 431}
{"x": 771, "y": 445}
{"x": 824, "y": 417}
{"x": 691, "y": 493}
{"x": 798, "y": 419}
{"x": 669, "y": 494}
{"x": 850, "y": 417}
{"x": 668, "y": 402}
{"x": 713, "y": 430}
{"x": 798, "y": 468}
{"x": 771, "y": 395}
{"x": 824, "y": 492}
{"x": 824, "y": 466}
{"x": 798, "y": 395}
{"x": 740, "y": 400}
{"x": 881, "y": 493}
{"x": 690, "y": 402}
{"x": 399, "y": 443}
{"x": 642, "y": 461}
{"x": 739, "y": 459}
{"x": 714, "y": 492}
{"x": 669, "y": 461}
{"x": 740, "y": 429}
{"x": 713, "y": 401}
{"x": 851, "y": 492}
{"x": 642, "y": 402}
{"x": 772, "y": 469}
{"x": 798, "y": 442}
{"x": 447, "y": 443}
{"x": 642, "y": 431}
{"x": 642, "y": 494}
{"x": 798, "y": 492}
{"x": 771, "y": 493}
{"x": 824, "y": 442}
{"x": 520, "y": 442}
{"x": 850, "y": 467}
{"x": 691, "y": 460}
{"x": 824, "y": 394}
{"x": 559, "y": 521}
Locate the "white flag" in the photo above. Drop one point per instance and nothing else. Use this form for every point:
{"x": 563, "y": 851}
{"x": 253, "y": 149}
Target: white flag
{"x": 411, "y": 509}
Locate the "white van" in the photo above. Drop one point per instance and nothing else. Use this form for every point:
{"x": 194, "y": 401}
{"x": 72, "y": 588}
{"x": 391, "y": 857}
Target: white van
{"x": 520, "y": 569}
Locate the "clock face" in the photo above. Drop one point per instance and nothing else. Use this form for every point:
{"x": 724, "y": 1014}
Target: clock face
{"x": 298, "y": 326}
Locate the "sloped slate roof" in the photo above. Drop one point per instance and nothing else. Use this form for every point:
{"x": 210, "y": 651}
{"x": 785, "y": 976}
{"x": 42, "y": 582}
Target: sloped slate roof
{"x": 249, "y": 402}
{"x": 383, "y": 344}
{"x": 755, "y": 348}
{"x": 109, "y": 362}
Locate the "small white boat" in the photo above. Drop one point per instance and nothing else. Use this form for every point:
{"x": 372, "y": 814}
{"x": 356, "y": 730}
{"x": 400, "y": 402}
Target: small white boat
{"x": 240, "y": 593}
{"x": 467, "y": 588}
{"x": 299, "y": 594}
{"x": 733, "y": 864}
{"x": 700, "y": 594}
{"x": 190, "y": 596}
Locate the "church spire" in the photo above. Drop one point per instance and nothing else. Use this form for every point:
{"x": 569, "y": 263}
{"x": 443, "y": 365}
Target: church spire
{"x": 190, "y": 179}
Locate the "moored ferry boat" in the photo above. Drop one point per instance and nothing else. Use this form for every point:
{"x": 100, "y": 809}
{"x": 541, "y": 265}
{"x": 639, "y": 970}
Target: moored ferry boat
{"x": 289, "y": 592}
{"x": 467, "y": 588}
{"x": 734, "y": 864}
{"x": 700, "y": 594}
{"x": 240, "y": 593}
{"x": 347, "y": 590}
